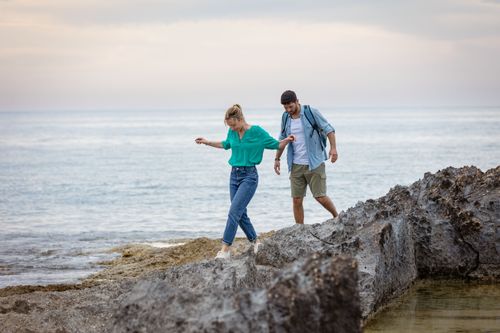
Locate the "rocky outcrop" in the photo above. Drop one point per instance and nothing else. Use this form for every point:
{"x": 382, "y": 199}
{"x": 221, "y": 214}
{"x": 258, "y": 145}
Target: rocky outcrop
{"x": 458, "y": 226}
{"x": 445, "y": 225}
{"x": 86, "y": 310}
{"x": 317, "y": 294}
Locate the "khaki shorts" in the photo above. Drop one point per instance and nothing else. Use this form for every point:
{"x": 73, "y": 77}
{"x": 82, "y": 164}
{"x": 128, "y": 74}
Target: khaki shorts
{"x": 300, "y": 177}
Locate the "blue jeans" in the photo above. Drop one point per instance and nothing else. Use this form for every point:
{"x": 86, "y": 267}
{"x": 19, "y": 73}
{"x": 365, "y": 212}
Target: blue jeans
{"x": 242, "y": 187}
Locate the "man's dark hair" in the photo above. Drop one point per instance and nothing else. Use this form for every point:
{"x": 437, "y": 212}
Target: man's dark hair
{"x": 288, "y": 97}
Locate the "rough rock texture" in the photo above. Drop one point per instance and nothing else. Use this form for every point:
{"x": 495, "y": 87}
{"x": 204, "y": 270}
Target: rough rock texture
{"x": 89, "y": 306}
{"x": 83, "y": 310}
{"x": 447, "y": 224}
{"x": 458, "y": 228}
{"x": 317, "y": 294}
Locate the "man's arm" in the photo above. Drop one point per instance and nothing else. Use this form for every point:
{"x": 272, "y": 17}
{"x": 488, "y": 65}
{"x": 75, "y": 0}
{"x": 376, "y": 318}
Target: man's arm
{"x": 330, "y": 133}
{"x": 333, "y": 147}
{"x": 279, "y": 152}
{"x": 325, "y": 126}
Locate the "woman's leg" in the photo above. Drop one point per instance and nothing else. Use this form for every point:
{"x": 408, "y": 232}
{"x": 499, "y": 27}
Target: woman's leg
{"x": 231, "y": 227}
{"x": 241, "y": 191}
{"x": 247, "y": 227}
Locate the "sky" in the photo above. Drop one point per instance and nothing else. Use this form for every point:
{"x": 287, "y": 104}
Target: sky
{"x": 152, "y": 54}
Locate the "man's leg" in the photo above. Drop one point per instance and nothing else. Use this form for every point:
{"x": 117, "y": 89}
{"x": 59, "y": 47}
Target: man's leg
{"x": 326, "y": 202}
{"x": 317, "y": 183}
{"x": 298, "y": 210}
{"x": 298, "y": 185}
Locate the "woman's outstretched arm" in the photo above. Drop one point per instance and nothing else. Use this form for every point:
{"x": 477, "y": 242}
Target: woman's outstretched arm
{"x": 215, "y": 144}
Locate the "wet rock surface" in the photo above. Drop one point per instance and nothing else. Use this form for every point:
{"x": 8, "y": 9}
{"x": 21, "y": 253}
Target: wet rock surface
{"x": 444, "y": 225}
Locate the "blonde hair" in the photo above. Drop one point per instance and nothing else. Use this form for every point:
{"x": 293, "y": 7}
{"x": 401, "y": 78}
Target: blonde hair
{"x": 235, "y": 112}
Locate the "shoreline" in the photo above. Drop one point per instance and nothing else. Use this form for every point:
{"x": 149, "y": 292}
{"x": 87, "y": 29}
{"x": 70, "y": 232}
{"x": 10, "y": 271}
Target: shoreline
{"x": 138, "y": 260}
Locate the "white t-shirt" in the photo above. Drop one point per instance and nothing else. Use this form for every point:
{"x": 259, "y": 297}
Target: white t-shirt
{"x": 299, "y": 144}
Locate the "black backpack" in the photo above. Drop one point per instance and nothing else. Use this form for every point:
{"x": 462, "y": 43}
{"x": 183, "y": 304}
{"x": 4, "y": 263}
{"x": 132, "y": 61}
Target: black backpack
{"x": 308, "y": 114}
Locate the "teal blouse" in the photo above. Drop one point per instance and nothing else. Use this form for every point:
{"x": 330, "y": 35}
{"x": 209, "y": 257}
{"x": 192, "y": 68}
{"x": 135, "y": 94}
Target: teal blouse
{"x": 248, "y": 150}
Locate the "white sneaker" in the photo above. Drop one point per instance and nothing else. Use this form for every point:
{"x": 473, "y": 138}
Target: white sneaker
{"x": 256, "y": 246}
{"x": 223, "y": 255}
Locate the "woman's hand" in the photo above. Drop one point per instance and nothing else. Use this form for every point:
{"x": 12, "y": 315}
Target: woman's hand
{"x": 286, "y": 141}
{"x": 201, "y": 140}
{"x": 215, "y": 144}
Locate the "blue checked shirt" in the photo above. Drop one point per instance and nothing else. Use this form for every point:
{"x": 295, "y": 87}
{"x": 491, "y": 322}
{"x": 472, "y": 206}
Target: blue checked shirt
{"x": 315, "y": 152}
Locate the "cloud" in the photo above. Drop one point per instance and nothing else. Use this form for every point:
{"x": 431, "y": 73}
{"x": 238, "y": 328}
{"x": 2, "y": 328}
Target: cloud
{"x": 94, "y": 54}
{"x": 194, "y": 64}
{"x": 431, "y": 18}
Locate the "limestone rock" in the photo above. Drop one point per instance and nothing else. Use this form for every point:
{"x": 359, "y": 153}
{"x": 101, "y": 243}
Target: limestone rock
{"x": 315, "y": 294}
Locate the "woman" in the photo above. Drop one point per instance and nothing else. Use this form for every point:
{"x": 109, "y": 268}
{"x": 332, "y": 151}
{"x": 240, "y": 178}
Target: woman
{"x": 247, "y": 143}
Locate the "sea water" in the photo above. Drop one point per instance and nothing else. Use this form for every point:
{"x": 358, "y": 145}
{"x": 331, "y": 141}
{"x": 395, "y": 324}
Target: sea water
{"x": 75, "y": 184}
{"x": 442, "y": 306}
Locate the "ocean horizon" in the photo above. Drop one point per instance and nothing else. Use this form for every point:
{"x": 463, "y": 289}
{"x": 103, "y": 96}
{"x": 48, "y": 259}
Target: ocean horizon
{"x": 75, "y": 184}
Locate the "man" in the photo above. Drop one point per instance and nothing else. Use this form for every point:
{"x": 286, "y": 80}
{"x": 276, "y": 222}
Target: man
{"x": 307, "y": 154}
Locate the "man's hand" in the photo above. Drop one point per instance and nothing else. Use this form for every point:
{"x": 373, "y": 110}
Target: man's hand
{"x": 333, "y": 155}
{"x": 277, "y": 167}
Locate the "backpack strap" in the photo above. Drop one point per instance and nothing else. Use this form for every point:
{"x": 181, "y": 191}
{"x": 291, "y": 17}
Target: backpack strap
{"x": 307, "y": 109}
{"x": 284, "y": 122}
